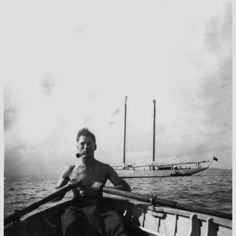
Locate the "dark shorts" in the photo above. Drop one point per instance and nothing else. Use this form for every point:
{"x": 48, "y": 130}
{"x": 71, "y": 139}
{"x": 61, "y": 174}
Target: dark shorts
{"x": 92, "y": 218}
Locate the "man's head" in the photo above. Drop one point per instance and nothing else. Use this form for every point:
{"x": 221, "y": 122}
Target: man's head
{"x": 87, "y": 133}
{"x": 86, "y": 143}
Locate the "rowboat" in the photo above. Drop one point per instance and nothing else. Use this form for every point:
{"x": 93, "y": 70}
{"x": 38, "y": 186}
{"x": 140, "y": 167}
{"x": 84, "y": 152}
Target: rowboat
{"x": 142, "y": 215}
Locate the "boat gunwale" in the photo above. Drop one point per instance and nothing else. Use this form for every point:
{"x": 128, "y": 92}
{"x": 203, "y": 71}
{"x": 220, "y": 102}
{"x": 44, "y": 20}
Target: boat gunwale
{"x": 184, "y": 213}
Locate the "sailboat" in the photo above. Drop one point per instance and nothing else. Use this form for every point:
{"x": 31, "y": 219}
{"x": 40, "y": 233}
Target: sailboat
{"x": 158, "y": 170}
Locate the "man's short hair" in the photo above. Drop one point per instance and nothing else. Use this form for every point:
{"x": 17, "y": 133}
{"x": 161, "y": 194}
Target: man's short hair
{"x": 86, "y": 132}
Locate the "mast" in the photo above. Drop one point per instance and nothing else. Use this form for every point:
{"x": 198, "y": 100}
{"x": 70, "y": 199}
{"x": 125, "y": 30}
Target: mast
{"x": 124, "y": 149}
{"x": 154, "y": 131}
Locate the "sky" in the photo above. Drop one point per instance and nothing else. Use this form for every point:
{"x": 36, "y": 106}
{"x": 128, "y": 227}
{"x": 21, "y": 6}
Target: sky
{"x": 70, "y": 65}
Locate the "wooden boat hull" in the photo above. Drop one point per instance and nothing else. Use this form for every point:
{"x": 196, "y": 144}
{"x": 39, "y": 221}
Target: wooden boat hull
{"x": 135, "y": 173}
{"x": 140, "y": 219}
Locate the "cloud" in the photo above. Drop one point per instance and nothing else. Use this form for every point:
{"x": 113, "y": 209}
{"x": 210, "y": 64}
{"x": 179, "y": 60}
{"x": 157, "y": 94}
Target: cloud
{"x": 24, "y": 156}
{"x": 206, "y": 97}
{"x": 11, "y": 110}
{"x": 14, "y": 161}
{"x": 216, "y": 93}
{"x": 206, "y": 120}
{"x": 115, "y": 112}
{"x": 113, "y": 115}
{"x": 218, "y": 32}
{"x": 10, "y": 116}
{"x": 47, "y": 85}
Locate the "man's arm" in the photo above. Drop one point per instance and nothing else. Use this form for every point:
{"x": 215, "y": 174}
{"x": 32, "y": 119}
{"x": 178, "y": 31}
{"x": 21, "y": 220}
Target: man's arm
{"x": 118, "y": 182}
{"x": 63, "y": 180}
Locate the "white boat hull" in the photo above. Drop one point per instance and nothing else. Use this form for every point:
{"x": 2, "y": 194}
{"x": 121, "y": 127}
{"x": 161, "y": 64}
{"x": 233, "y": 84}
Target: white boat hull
{"x": 135, "y": 173}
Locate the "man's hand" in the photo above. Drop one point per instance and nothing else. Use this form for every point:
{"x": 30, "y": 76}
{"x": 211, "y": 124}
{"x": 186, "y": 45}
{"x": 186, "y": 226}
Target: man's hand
{"x": 75, "y": 181}
{"x": 97, "y": 186}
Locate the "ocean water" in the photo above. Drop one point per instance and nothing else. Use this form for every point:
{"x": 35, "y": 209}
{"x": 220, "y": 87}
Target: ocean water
{"x": 209, "y": 191}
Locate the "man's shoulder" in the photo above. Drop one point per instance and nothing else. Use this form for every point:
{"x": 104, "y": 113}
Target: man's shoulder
{"x": 103, "y": 165}
{"x": 70, "y": 167}
{"x": 67, "y": 170}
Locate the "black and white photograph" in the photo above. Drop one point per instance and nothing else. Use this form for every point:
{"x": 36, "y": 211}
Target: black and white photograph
{"x": 117, "y": 118}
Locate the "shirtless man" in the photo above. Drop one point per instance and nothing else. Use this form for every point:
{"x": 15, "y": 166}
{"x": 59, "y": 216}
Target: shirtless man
{"x": 92, "y": 175}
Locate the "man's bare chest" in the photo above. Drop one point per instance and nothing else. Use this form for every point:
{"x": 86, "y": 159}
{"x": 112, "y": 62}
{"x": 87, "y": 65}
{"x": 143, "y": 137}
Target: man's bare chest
{"x": 88, "y": 175}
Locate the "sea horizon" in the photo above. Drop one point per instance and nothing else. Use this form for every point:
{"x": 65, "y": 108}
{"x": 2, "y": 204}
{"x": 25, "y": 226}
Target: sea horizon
{"x": 209, "y": 171}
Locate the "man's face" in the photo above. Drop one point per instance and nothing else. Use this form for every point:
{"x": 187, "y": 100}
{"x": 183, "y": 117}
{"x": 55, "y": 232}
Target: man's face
{"x": 86, "y": 147}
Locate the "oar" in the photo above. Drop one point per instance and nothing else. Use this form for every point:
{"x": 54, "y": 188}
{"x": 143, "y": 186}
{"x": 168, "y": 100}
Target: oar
{"x": 19, "y": 213}
{"x": 163, "y": 202}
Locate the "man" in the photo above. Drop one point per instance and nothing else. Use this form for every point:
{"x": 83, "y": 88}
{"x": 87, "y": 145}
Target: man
{"x": 90, "y": 216}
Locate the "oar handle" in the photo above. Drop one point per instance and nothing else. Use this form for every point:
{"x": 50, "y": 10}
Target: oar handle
{"x": 152, "y": 199}
{"x": 19, "y": 213}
